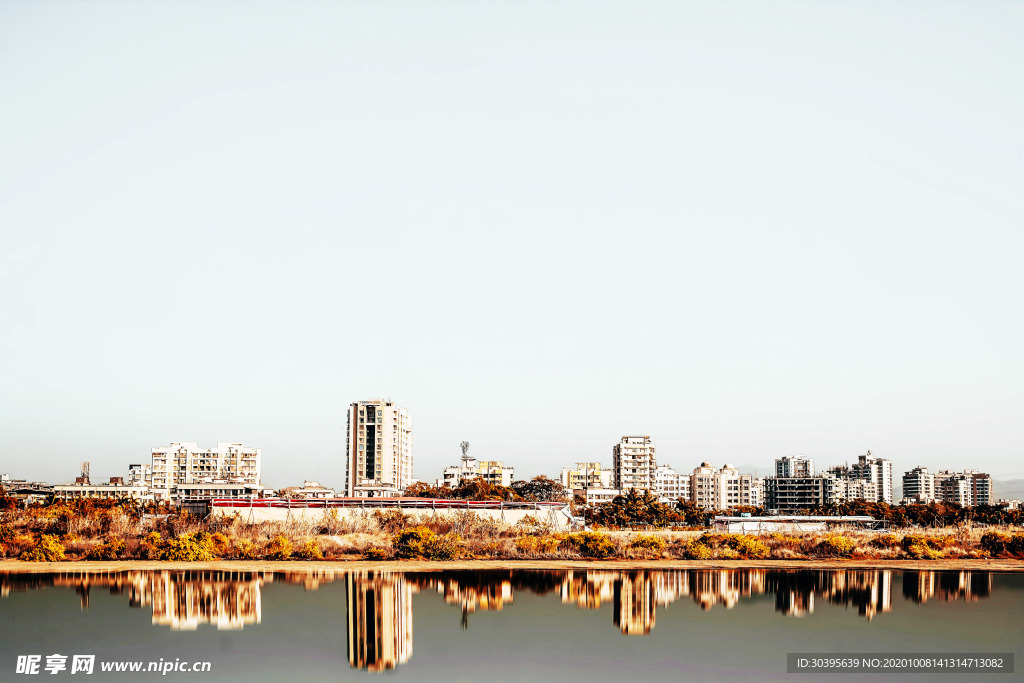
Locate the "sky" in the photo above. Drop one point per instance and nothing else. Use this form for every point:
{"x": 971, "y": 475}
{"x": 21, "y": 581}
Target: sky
{"x": 747, "y": 230}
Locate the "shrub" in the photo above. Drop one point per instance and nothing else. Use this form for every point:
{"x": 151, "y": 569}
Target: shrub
{"x": 492, "y": 548}
{"x": 49, "y": 548}
{"x": 112, "y": 550}
{"x": 748, "y": 546}
{"x": 653, "y": 544}
{"x": 728, "y": 553}
{"x": 695, "y": 550}
{"x": 994, "y": 543}
{"x": 246, "y": 550}
{"x": 195, "y": 547}
{"x": 834, "y": 545}
{"x": 591, "y": 544}
{"x": 389, "y": 521}
{"x": 411, "y": 543}
{"x": 933, "y": 542}
{"x": 376, "y": 554}
{"x": 279, "y": 548}
{"x": 526, "y": 544}
{"x": 7, "y": 534}
{"x": 444, "y": 547}
{"x": 221, "y": 543}
{"x": 1016, "y": 545}
{"x": 886, "y": 542}
{"x": 920, "y": 551}
{"x": 711, "y": 540}
{"x": 310, "y": 550}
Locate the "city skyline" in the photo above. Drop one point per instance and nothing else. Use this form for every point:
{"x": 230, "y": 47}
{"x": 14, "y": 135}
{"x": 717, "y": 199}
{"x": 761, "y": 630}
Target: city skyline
{"x": 749, "y": 234}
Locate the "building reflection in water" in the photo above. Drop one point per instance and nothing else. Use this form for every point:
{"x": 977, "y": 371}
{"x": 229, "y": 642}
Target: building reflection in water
{"x": 379, "y": 604}
{"x": 181, "y": 600}
{"x": 920, "y": 587}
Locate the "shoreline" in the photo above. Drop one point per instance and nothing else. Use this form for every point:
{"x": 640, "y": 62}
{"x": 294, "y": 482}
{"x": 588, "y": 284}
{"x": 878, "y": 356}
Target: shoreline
{"x": 91, "y": 567}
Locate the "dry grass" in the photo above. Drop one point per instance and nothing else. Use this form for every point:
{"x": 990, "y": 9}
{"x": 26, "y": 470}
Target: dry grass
{"x": 357, "y": 535}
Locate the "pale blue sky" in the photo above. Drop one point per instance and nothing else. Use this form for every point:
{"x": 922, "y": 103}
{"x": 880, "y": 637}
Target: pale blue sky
{"x": 746, "y": 229}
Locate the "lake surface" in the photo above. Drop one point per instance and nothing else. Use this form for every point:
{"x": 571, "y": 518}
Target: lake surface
{"x": 522, "y": 625}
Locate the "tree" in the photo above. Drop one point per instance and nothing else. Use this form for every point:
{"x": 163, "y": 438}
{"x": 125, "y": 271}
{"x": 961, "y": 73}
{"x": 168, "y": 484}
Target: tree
{"x": 540, "y": 488}
{"x": 632, "y": 510}
{"x": 424, "y": 490}
{"x": 480, "y": 489}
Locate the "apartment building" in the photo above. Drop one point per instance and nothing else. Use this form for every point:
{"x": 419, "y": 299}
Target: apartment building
{"x": 586, "y": 475}
{"x": 185, "y": 463}
{"x": 877, "y": 470}
{"x": 492, "y": 471}
{"x": 634, "y": 463}
{"x": 789, "y": 495}
{"x": 721, "y": 489}
{"x": 967, "y": 488}
{"x": 736, "y": 490}
{"x": 704, "y": 486}
{"x": 794, "y": 466}
{"x": 378, "y": 450}
{"x": 670, "y": 485}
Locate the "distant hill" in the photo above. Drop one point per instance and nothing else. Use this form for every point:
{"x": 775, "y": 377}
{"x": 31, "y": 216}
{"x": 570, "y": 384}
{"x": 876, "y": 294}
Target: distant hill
{"x": 1008, "y": 488}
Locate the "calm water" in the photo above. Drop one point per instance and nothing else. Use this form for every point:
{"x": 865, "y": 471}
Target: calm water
{"x": 698, "y": 625}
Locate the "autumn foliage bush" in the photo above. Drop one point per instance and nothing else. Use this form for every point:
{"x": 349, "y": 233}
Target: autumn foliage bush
{"x": 48, "y": 548}
{"x": 654, "y": 545}
{"x": 591, "y": 544}
{"x": 112, "y": 550}
{"x": 279, "y": 548}
{"x": 834, "y": 545}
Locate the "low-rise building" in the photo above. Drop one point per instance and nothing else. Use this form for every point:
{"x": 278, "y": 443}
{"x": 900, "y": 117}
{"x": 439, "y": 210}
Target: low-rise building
{"x": 492, "y": 471}
{"x": 218, "y": 489}
{"x": 595, "y": 495}
{"x": 115, "y": 490}
{"x": 586, "y": 475}
{"x": 309, "y": 489}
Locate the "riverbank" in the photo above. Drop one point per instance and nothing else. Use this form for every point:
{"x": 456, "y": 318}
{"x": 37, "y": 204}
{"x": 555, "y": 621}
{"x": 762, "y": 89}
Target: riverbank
{"x": 17, "y": 566}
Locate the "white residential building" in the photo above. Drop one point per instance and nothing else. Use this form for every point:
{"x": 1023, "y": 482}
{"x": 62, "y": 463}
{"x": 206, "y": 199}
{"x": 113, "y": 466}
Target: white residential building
{"x": 735, "y": 489}
{"x": 919, "y": 486}
{"x": 794, "y": 466}
{"x": 877, "y": 470}
{"x": 586, "y": 475}
{"x": 378, "y": 450}
{"x": 140, "y": 474}
{"x": 634, "y": 463}
{"x": 721, "y": 489}
{"x": 670, "y": 485}
{"x": 309, "y": 489}
{"x": 184, "y": 462}
{"x": 595, "y": 495}
{"x": 967, "y": 488}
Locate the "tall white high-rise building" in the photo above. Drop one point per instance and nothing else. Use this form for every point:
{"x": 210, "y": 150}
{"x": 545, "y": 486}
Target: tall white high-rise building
{"x": 633, "y": 464}
{"x": 378, "y": 450}
{"x": 876, "y": 470}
